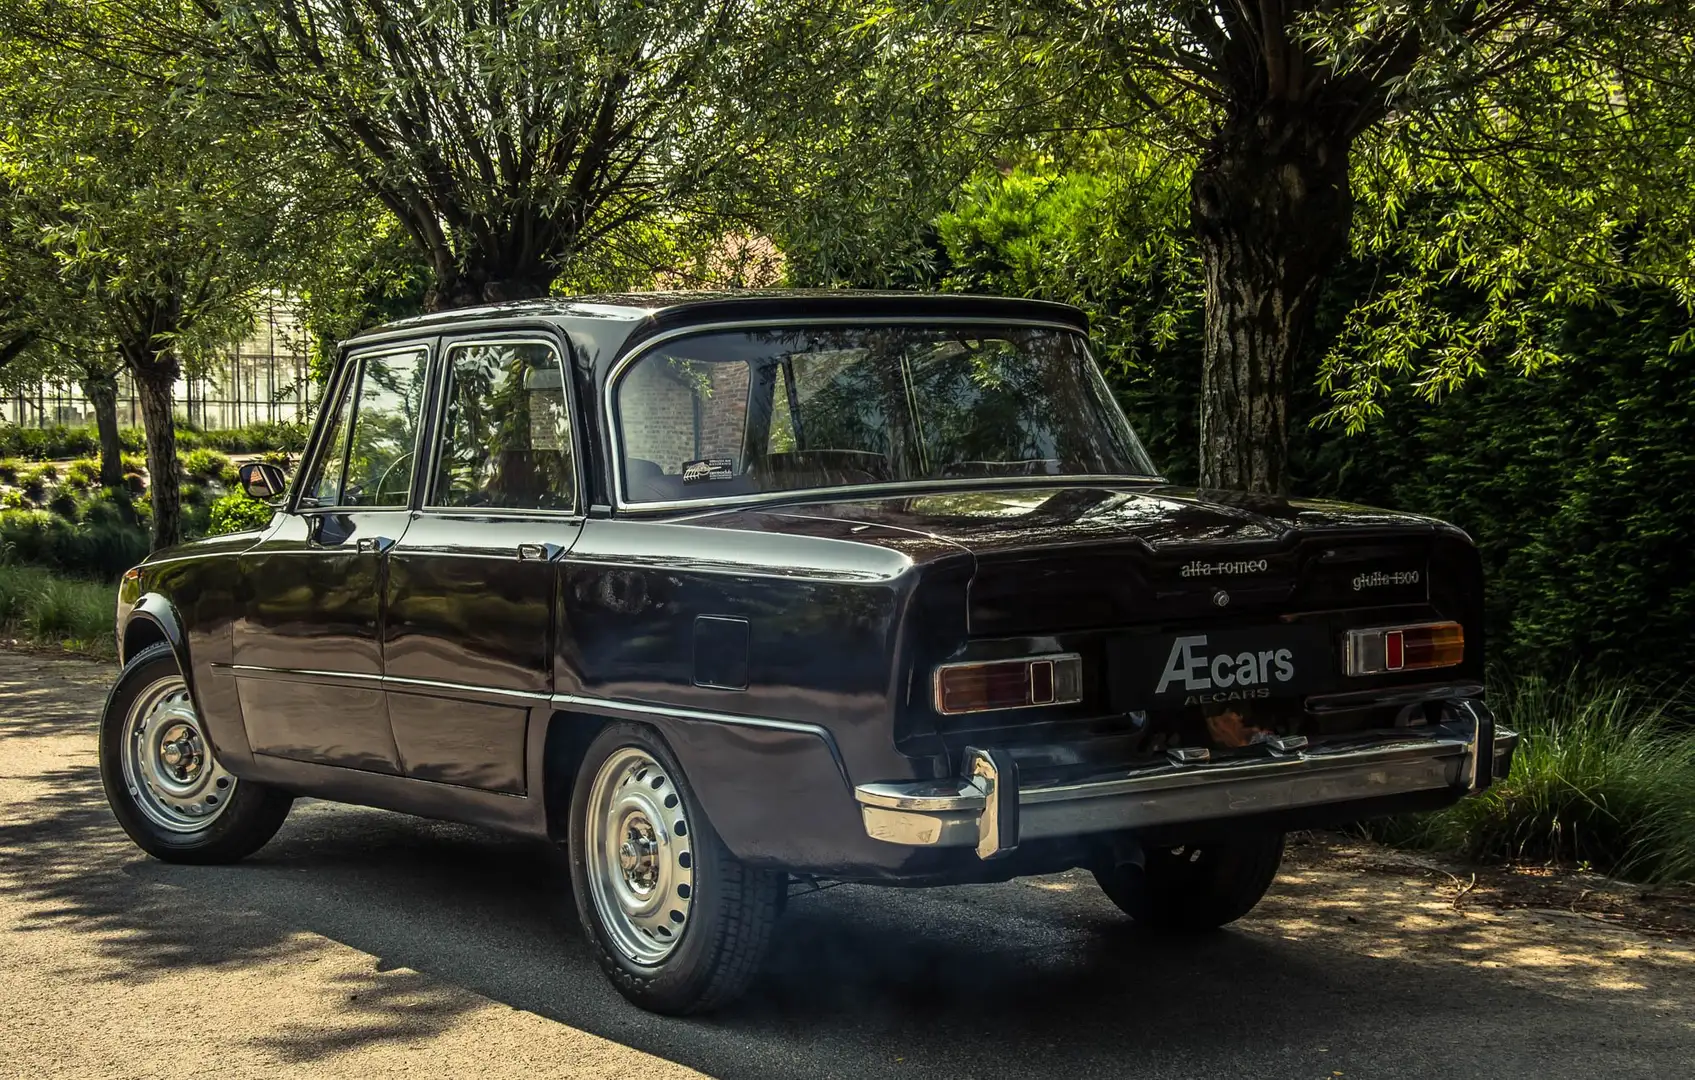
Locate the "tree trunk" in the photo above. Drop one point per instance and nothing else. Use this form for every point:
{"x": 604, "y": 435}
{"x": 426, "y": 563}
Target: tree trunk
{"x": 488, "y": 277}
{"x": 1271, "y": 208}
{"x": 101, "y": 390}
{"x": 153, "y": 385}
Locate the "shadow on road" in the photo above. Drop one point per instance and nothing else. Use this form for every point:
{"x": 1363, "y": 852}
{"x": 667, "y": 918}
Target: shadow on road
{"x": 1036, "y": 978}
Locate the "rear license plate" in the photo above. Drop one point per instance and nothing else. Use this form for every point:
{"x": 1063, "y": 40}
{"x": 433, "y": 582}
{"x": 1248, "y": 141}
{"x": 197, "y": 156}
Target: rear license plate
{"x": 1216, "y": 667}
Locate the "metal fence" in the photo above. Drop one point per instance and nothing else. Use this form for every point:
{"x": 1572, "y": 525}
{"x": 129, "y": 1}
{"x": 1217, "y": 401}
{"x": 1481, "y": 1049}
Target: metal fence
{"x": 264, "y": 379}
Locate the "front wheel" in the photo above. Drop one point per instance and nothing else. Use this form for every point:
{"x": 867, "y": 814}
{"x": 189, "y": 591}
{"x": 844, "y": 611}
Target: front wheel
{"x": 162, "y": 778}
{"x": 674, "y": 920}
{"x": 1195, "y": 887}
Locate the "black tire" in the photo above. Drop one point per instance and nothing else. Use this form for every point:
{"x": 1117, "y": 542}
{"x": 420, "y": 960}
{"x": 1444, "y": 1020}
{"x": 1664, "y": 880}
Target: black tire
{"x": 1197, "y": 887}
{"x": 731, "y": 908}
{"x": 252, "y": 814}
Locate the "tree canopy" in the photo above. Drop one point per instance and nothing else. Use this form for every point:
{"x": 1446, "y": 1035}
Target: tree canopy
{"x": 506, "y": 139}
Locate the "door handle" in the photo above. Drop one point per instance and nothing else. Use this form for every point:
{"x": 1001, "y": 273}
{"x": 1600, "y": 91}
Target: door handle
{"x": 539, "y": 552}
{"x": 374, "y": 545}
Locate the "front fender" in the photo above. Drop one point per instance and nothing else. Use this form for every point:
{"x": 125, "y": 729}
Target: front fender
{"x": 155, "y": 619}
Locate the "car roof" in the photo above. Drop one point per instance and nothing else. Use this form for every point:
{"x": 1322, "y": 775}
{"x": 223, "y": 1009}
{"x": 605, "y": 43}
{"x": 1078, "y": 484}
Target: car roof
{"x": 646, "y": 313}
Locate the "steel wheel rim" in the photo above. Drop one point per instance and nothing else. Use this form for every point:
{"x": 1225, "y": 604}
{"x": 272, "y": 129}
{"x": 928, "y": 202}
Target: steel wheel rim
{"x": 638, "y": 853}
{"x": 169, "y": 769}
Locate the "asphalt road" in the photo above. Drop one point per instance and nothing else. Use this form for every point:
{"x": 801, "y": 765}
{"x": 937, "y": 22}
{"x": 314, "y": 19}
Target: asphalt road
{"x": 360, "y": 943}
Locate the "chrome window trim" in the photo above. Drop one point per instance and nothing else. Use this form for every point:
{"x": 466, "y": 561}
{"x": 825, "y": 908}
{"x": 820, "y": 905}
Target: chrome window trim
{"x": 613, "y": 435}
{"x": 353, "y": 365}
{"x": 915, "y": 488}
{"x": 442, "y": 384}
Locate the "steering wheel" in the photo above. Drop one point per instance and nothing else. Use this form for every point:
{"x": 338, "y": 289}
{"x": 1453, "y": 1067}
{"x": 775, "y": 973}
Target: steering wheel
{"x": 382, "y": 481}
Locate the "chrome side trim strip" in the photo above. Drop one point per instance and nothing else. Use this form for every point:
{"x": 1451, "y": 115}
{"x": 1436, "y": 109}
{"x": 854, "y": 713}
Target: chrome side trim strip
{"x": 400, "y": 683}
{"x": 617, "y": 707}
{"x": 404, "y": 684}
{"x": 579, "y": 701}
{"x": 256, "y": 671}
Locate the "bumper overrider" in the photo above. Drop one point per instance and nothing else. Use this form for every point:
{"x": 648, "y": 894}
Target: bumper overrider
{"x": 990, "y": 810}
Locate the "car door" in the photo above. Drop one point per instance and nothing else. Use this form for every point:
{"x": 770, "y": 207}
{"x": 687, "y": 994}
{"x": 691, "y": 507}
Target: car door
{"x": 308, "y": 645}
{"x": 471, "y": 586}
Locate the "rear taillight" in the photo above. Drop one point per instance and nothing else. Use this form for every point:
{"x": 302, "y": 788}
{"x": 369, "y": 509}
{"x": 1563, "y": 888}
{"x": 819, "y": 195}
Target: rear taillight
{"x": 1009, "y": 684}
{"x": 1404, "y": 648}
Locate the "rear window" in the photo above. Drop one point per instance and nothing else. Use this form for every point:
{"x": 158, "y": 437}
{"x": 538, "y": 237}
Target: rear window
{"x": 742, "y": 412}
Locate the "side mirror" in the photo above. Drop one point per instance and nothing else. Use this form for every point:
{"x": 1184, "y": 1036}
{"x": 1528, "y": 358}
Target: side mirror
{"x": 262, "y": 480}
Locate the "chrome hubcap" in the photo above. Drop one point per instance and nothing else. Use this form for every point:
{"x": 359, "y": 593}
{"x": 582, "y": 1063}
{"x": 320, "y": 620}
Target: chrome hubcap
{"x": 169, "y": 768}
{"x": 640, "y": 867}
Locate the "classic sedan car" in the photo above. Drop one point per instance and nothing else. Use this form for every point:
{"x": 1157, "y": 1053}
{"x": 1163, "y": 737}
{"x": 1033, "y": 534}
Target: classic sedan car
{"x": 722, "y": 592}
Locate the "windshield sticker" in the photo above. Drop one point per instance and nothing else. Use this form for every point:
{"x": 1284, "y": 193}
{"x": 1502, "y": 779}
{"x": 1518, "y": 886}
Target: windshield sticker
{"x": 712, "y": 468}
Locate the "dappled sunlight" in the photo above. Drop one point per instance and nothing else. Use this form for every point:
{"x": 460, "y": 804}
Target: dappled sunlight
{"x": 1396, "y": 912}
{"x": 358, "y": 939}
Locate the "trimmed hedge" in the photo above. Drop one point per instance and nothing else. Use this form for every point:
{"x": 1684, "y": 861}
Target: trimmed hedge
{"x": 41, "y": 444}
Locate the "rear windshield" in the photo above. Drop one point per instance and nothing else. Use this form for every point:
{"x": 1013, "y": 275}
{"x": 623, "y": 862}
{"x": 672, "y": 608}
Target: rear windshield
{"x": 747, "y": 411}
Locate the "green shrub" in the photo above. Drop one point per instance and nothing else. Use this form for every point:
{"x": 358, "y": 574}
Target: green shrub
{"x": 39, "y": 444}
{"x": 50, "y": 610}
{"x": 65, "y": 504}
{"x": 206, "y": 464}
{"x": 14, "y": 500}
{"x": 238, "y": 512}
{"x": 282, "y": 435}
{"x": 1604, "y": 776}
{"x": 109, "y": 506}
{"x": 9, "y": 469}
{"x": 19, "y": 586}
{"x": 34, "y": 481}
{"x": 66, "y": 609}
{"x": 99, "y": 549}
{"x": 82, "y": 474}
{"x": 196, "y": 519}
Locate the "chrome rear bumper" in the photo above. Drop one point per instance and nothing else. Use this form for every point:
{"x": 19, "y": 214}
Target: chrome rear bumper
{"x": 991, "y": 811}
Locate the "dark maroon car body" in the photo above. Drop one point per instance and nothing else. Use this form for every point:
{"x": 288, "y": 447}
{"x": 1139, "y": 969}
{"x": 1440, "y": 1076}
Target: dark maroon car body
{"x": 785, "y": 645}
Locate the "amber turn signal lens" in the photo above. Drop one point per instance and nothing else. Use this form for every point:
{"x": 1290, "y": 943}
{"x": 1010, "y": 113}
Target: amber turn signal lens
{"x": 1405, "y": 648}
{"x": 1009, "y": 684}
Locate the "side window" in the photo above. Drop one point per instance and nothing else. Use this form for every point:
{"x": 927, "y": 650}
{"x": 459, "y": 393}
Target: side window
{"x": 370, "y": 448}
{"x": 507, "y": 440}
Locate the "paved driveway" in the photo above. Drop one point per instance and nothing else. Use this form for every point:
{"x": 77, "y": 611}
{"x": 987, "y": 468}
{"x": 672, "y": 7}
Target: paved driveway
{"x": 360, "y": 944}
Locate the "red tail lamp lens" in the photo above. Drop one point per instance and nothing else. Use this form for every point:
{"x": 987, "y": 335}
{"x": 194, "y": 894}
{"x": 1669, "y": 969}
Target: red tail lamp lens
{"x": 1405, "y": 648}
{"x": 1009, "y": 684}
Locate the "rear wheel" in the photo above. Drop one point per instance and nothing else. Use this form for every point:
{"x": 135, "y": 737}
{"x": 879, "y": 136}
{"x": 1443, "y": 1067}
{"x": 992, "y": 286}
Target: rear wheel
{"x": 675, "y": 921}
{"x": 1195, "y": 887}
{"x": 163, "y": 778}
